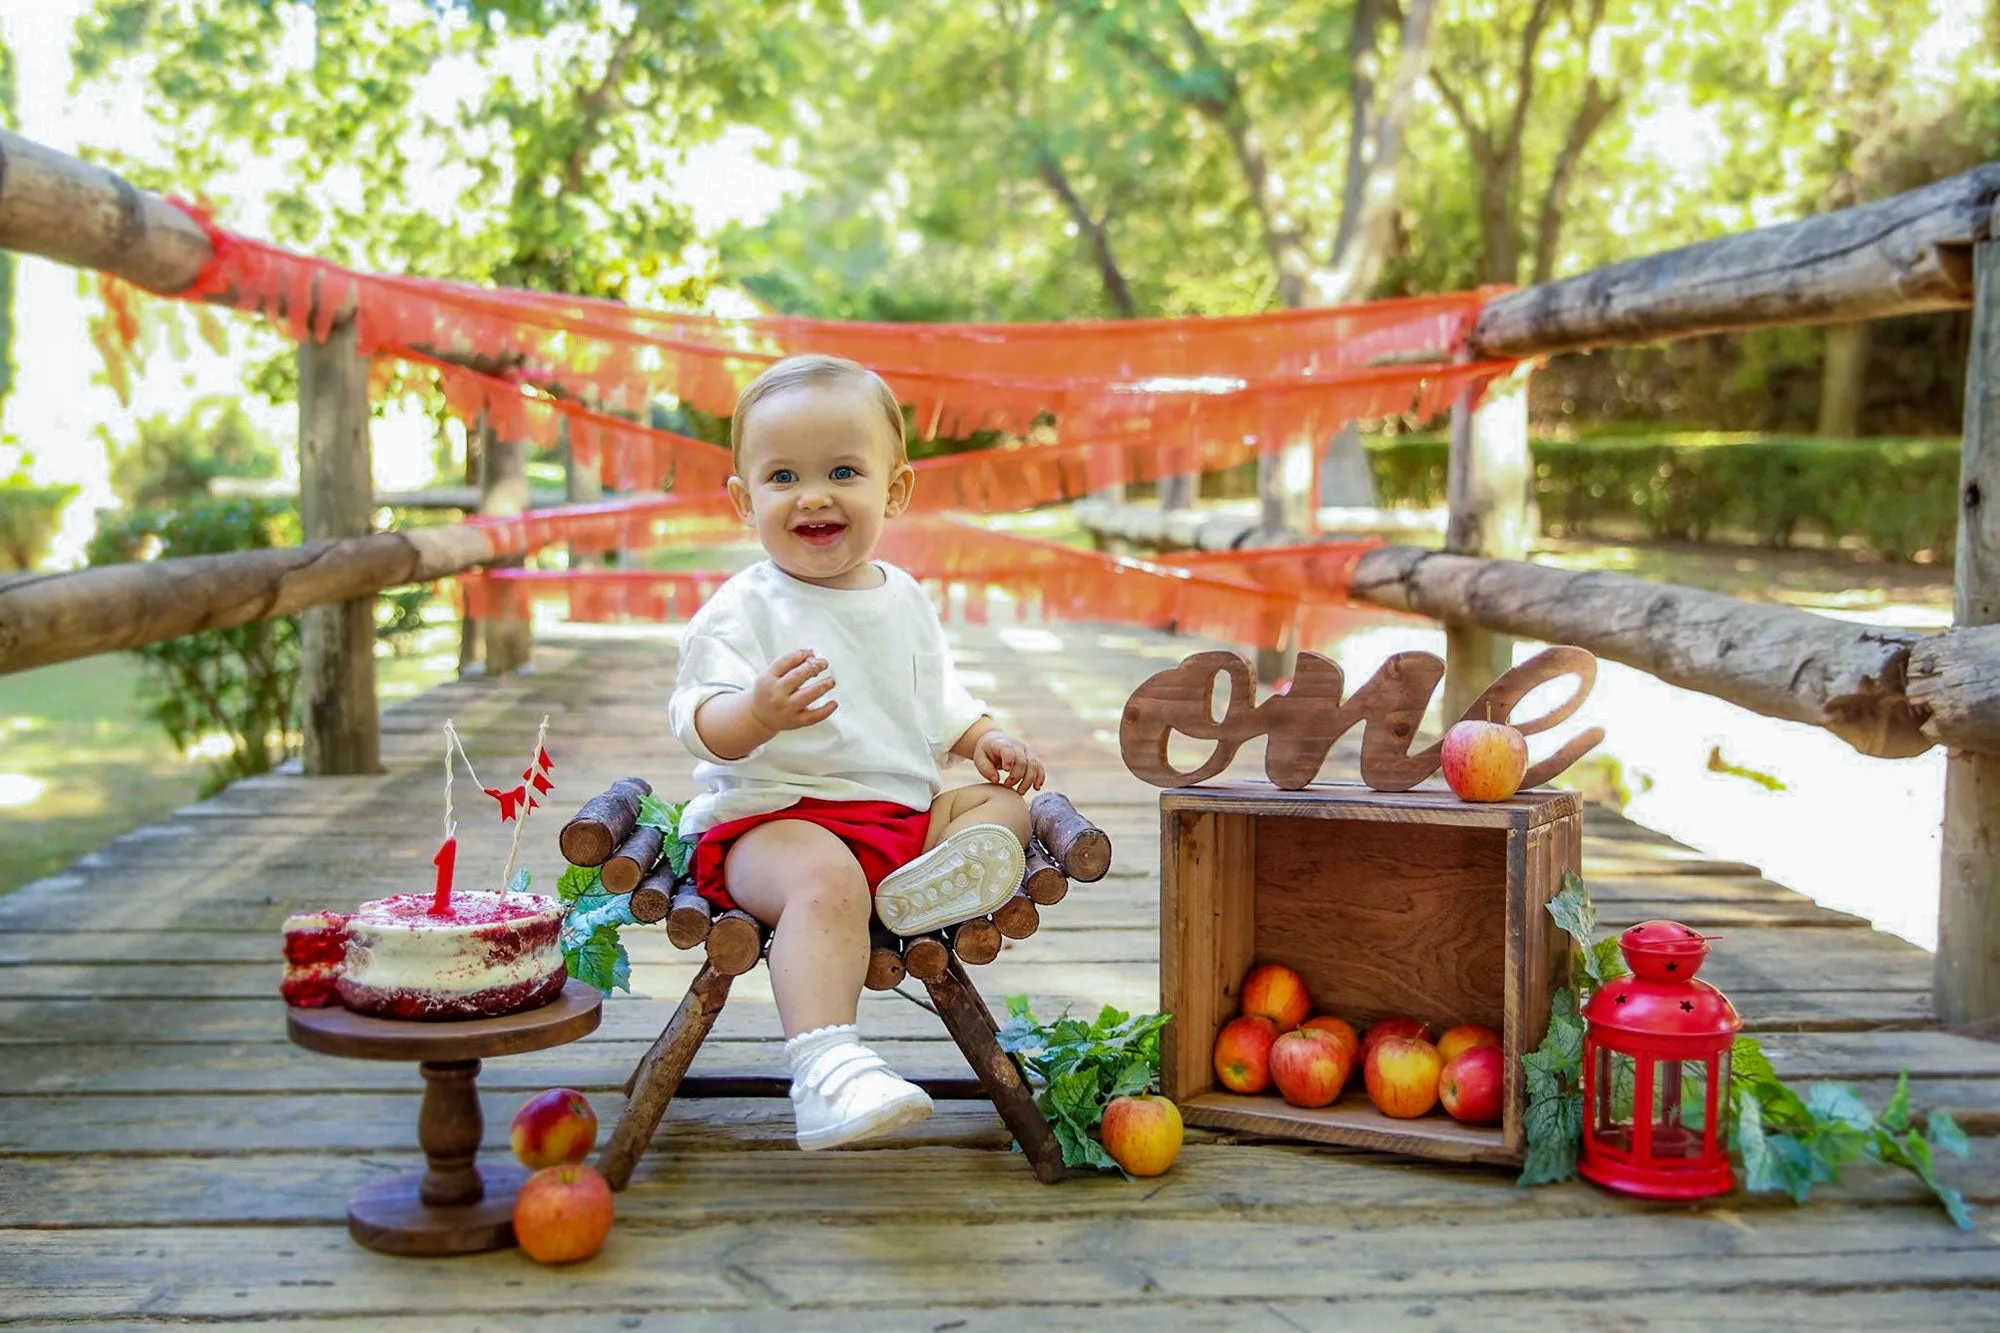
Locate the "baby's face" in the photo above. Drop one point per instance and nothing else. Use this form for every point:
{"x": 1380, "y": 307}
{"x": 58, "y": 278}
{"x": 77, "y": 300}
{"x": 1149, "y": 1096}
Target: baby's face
{"x": 819, "y": 478}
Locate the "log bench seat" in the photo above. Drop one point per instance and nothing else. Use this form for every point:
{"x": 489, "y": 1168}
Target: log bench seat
{"x": 1065, "y": 847}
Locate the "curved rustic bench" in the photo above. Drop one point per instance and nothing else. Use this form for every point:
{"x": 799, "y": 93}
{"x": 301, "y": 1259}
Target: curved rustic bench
{"x": 1065, "y": 846}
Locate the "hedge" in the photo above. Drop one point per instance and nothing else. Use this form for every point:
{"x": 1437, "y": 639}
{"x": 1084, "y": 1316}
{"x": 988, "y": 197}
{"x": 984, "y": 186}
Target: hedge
{"x": 1894, "y": 497}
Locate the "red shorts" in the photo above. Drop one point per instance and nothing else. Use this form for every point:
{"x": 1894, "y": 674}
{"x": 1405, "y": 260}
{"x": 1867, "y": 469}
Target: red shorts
{"x": 882, "y": 835}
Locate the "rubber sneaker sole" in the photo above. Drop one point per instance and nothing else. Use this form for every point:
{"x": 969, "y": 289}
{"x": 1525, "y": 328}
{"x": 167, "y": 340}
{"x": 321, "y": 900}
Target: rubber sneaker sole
{"x": 968, "y": 874}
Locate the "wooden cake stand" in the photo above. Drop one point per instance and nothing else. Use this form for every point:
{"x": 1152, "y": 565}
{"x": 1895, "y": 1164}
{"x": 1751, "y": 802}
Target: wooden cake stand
{"x": 453, "y": 1207}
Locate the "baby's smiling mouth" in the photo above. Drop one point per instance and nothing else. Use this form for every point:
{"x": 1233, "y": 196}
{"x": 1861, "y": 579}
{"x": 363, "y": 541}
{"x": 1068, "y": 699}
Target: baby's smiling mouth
{"x": 819, "y": 534}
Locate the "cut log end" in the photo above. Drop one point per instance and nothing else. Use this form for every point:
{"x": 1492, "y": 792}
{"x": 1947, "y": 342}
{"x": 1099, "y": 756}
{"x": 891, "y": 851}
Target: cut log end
{"x": 603, "y": 823}
{"x": 735, "y": 943}
{"x": 1018, "y": 917}
{"x": 654, "y": 897}
{"x": 688, "y": 917}
{"x": 1082, "y": 849}
{"x": 976, "y": 942}
{"x": 885, "y": 959}
{"x": 1044, "y": 880}
{"x": 635, "y": 857}
{"x": 926, "y": 957}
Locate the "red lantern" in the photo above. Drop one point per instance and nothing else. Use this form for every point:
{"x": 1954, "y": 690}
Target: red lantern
{"x": 1656, "y": 1071}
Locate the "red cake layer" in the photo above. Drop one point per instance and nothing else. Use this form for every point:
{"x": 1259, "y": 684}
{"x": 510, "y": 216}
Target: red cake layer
{"x": 430, "y": 1005}
{"x": 311, "y": 985}
{"x": 316, "y": 937}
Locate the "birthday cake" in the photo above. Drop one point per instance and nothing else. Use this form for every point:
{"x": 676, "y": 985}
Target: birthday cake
{"x": 485, "y": 955}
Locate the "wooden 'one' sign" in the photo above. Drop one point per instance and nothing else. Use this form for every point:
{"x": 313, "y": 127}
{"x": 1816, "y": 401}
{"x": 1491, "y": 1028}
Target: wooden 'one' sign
{"x": 1302, "y": 724}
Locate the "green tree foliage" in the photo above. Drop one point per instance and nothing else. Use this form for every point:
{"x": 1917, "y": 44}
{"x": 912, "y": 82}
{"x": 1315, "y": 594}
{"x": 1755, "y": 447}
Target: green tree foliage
{"x": 171, "y": 462}
{"x": 240, "y": 684}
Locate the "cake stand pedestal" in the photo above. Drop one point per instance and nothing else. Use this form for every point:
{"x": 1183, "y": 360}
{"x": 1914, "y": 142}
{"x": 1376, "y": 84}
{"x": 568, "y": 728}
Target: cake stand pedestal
{"x": 454, "y": 1206}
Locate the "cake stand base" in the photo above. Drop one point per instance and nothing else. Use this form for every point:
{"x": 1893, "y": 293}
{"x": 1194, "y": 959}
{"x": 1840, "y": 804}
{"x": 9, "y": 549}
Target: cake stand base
{"x": 391, "y": 1218}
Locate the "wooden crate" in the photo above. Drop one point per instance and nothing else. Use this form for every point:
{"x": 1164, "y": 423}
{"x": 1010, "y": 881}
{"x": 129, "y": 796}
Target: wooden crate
{"x": 1386, "y": 903}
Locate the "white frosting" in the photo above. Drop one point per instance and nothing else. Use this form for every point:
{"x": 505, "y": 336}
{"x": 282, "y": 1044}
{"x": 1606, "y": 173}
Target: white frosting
{"x": 390, "y": 952}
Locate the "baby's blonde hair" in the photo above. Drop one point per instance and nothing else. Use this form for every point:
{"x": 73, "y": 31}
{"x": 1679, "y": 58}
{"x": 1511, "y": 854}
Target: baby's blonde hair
{"x": 815, "y": 368}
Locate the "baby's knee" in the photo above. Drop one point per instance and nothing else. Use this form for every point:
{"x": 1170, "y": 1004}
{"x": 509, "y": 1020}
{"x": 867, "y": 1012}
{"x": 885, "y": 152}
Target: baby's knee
{"x": 1006, "y": 807}
{"x": 833, "y": 892}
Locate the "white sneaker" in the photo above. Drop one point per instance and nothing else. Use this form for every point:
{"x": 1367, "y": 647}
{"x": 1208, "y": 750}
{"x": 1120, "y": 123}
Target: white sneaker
{"x": 968, "y": 874}
{"x": 842, "y": 1092}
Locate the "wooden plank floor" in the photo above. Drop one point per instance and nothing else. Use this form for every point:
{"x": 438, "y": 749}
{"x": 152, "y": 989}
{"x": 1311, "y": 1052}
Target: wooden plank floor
{"x": 165, "y": 1155}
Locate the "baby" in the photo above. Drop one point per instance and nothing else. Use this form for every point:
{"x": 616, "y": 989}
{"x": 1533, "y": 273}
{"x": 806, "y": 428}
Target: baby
{"x": 819, "y": 699}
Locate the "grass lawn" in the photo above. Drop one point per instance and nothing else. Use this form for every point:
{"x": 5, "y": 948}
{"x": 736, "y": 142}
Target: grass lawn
{"x": 81, "y": 763}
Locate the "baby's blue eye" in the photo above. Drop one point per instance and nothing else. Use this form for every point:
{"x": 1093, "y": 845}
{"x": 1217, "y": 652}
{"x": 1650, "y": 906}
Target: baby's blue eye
{"x": 844, "y": 473}
{"x": 783, "y": 476}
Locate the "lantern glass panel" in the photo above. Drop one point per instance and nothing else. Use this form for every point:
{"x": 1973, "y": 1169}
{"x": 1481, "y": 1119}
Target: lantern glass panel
{"x": 1680, "y": 1107}
{"x": 1617, "y": 1077}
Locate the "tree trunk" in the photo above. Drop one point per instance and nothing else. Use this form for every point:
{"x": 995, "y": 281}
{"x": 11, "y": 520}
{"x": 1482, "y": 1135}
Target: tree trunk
{"x": 1843, "y": 382}
{"x": 503, "y": 490}
{"x": 336, "y": 494}
{"x": 1487, "y": 497}
{"x": 1967, "y": 978}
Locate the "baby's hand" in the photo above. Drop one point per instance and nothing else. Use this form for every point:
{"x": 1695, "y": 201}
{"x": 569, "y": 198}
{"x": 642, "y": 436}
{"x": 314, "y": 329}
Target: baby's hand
{"x": 786, "y": 697}
{"x": 997, "y": 753}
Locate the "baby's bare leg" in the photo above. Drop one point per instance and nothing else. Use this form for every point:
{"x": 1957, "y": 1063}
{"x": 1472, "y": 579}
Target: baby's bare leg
{"x": 984, "y": 803}
{"x": 801, "y": 880}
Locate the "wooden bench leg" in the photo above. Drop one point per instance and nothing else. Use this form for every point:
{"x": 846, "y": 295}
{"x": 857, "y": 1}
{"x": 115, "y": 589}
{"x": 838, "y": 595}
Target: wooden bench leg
{"x": 971, "y": 1025}
{"x": 658, "y": 1077}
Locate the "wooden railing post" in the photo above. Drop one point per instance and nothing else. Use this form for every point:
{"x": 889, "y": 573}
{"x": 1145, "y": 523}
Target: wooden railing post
{"x": 336, "y": 492}
{"x": 1967, "y": 978}
{"x": 503, "y": 489}
{"x": 1486, "y": 494}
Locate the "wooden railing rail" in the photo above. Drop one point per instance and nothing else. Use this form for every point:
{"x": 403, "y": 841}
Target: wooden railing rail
{"x": 1897, "y": 256}
{"x": 1887, "y": 692}
{"x": 48, "y": 618}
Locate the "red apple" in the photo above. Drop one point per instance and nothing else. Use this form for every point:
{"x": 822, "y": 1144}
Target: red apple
{"x": 1243, "y": 1053}
{"x": 1394, "y": 1027}
{"x": 1343, "y": 1032}
{"x": 1309, "y": 1067}
{"x": 1473, "y": 1086}
{"x": 1463, "y": 1038}
{"x": 1484, "y": 761}
{"x": 1402, "y": 1076}
{"x": 1277, "y": 993}
{"x": 1142, "y": 1134}
{"x": 563, "y": 1214}
{"x": 553, "y": 1127}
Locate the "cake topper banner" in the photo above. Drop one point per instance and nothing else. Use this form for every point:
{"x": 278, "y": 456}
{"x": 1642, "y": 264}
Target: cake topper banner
{"x": 1302, "y": 724}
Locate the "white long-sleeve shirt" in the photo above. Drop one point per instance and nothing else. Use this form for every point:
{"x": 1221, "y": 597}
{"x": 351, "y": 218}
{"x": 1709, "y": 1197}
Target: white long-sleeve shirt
{"x": 902, "y": 705}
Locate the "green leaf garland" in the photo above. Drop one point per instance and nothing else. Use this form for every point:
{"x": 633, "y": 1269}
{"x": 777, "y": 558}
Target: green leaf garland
{"x": 1786, "y": 1143}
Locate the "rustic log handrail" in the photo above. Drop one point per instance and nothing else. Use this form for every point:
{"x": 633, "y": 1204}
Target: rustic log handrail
{"x": 1897, "y": 256}
{"x": 1887, "y": 692}
{"x": 48, "y": 618}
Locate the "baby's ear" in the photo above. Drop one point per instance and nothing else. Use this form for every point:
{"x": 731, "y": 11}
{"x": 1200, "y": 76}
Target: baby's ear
{"x": 739, "y": 495}
{"x": 902, "y": 486}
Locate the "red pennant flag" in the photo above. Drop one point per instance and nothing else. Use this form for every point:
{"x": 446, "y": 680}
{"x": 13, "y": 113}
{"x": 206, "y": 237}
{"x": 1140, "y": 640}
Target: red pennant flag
{"x": 538, "y": 780}
{"x": 543, "y": 761}
{"x": 509, "y": 800}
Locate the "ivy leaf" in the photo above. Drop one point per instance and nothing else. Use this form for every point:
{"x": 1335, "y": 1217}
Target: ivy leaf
{"x": 1134, "y": 1077}
{"x": 659, "y": 814}
{"x": 600, "y": 961}
{"x": 1572, "y": 910}
{"x": 1607, "y": 960}
{"x": 1944, "y": 1132}
{"x": 577, "y": 881}
{"x": 1555, "y": 1133}
{"x": 1896, "y": 1115}
{"x": 1840, "y": 1105}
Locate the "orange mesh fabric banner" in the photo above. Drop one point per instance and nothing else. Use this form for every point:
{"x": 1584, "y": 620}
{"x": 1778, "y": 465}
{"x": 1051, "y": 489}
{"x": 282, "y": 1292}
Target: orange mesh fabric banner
{"x": 1185, "y": 382}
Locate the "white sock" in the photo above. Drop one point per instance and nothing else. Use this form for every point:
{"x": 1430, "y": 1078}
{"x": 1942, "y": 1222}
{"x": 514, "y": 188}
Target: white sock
{"x": 801, "y": 1050}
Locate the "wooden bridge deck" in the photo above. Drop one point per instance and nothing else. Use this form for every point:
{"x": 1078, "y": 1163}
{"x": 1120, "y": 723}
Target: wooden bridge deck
{"x": 166, "y": 1156}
